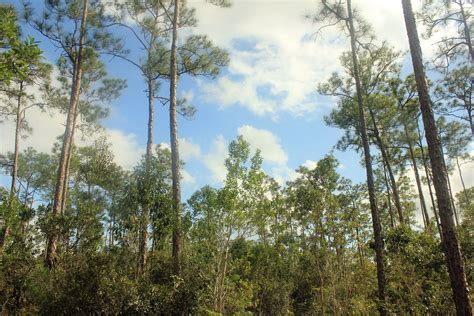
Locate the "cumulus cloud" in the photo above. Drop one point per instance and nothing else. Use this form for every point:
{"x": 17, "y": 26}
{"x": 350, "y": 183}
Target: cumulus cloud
{"x": 48, "y": 126}
{"x": 276, "y": 61}
{"x": 266, "y": 141}
{"x": 188, "y": 149}
{"x": 187, "y": 177}
{"x": 125, "y": 147}
{"x": 310, "y": 164}
{"x": 282, "y": 174}
{"x": 274, "y": 156}
{"x": 215, "y": 158}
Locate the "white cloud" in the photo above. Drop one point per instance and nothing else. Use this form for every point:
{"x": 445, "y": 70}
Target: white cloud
{"x": 264, "y": 140}
{"x": 164, "y": 146}
{"x": 188, "y": 95}
{"x": 214, "y": 160}
{"x": 342, "y": 166}
{"x": 272, "y": 51}
{"x": 188, "y": 149}
{"x": 282, "y": 174}
{"x": 271, "y": 150}
{"x": 187, "y": 177}
{"x": 467, "y": 171}
{"x": 310, "y": 164}
{"x": 47, "y": 126}
{"x": 125, "y": 147}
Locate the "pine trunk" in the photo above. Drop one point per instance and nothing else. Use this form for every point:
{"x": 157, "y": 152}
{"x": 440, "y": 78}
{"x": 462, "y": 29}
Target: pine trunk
{"x": 462, "y": 180}
{"x": 389, "y": 199}
{"x": 143, "y": 239}
{"x": 450, "y": 241}
{"x": 467, "y": 33}
{"x": 68, "y": 163}
{"x": 379, "y": 244}
{"x": 428, "y": 180}
{"x": 450, "y": 190}
{"x": 451, "y": 198}
{"x": 424, "y": 209}
{"x": 16, "y": 151}
{"x": 174, "y": 143}
{"x": 383, "y": 151}
{"x": 73, "y": 103}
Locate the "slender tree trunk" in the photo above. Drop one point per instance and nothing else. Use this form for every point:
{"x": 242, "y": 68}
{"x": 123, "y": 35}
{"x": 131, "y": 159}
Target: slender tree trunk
{"x": 111, "y": 232}
{"x": 468, "y": 106}
{"x": 383, "y": 151}
{"x": 379, "y": 244}
{"x": 359, "y": 248}
{"x": 428, "y": 180}
{"x": 321, "y": 289}
{"x": 450, "y": 241}
{"x": 221, "y": 274}
{"x": 174, "y": 142}
{"x": 143, "y": 240}
{"x": 73, "y": 103}
{"x": 68, "y": 164}
{"x": 467, "y": 32}
{"x": 424, "y": 209}
{"x": 389, "y": 199}
{"x": 16, "y": 153}
{"x": 450, "y": 190}
{"x": 462, "y": 180}
{"x": 435, "y": 209}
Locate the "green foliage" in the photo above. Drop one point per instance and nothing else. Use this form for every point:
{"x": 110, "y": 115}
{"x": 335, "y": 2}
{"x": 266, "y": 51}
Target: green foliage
{"x": 18, "y": 57}
{"x": 418, "y": 279}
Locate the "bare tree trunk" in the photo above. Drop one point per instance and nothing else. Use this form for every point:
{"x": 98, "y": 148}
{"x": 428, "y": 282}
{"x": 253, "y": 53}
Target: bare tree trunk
{"x": 450, "y": 190}
{"x": 389, "y": 199}
{"x": 396, "y": 194}
{"x": 450, "y": 241}
{"x": 174, "y": 142}
{"x": 68, "y": 164}
{"x": 359, "y": 248}
{"x": 428, "y": 180}
{"x": 73, "y": 103}
{"x": 221, "y": 274}
{"x": 467, "y": 32}
{"x": 321, "y": 289}
{"x": 424, "y": 209}
{"x": 456, "y": 219}
{"x": 462, "y": 180}
{"x": 143, "y": 239}
{"x": 379, "y": 244}
{"x": 16, "y": 153}
{"x": 469, "y": 117}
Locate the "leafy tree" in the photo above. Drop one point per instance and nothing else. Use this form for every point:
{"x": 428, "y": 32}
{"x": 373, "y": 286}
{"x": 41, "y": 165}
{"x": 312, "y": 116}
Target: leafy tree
{"x": 18, "y": 57}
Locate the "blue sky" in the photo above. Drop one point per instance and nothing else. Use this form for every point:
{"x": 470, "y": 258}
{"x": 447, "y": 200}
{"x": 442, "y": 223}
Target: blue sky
{"x": 267, "y": 93}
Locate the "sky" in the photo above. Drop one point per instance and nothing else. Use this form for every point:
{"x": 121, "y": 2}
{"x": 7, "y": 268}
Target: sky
{"x": 267, "y": 93}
